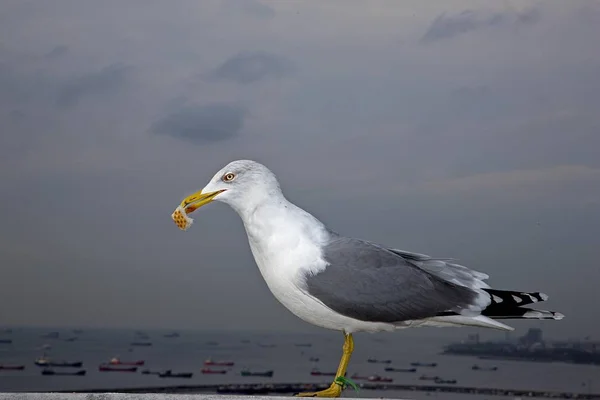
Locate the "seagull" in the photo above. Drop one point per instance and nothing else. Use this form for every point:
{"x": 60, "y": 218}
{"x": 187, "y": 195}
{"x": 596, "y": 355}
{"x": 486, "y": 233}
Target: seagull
{"x": 348, "y": 284}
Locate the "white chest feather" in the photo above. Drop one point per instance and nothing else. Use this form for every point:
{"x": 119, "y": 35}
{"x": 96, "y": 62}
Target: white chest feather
{"x": 286, "y": 246}
{"x": 284, "y": 249}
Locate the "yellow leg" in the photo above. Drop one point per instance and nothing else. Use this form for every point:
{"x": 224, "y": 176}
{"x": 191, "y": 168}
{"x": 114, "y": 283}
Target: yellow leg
{"x": 335, "y": 390}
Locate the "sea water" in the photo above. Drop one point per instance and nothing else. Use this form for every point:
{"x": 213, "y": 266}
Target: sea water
{"x": 283, "y": 353}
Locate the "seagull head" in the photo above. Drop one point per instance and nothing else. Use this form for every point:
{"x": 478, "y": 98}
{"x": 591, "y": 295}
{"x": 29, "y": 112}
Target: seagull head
{"x": 242, "y": 184}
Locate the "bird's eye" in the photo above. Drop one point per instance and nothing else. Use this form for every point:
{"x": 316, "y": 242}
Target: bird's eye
{"x": 228, "y": 177}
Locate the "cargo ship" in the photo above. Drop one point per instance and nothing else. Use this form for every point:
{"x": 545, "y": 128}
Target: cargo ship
{"x": 219, "y": 363}
{"x": 268, "y": 374}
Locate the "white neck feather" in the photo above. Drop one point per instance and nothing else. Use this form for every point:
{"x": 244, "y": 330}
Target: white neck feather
{"x": 279, "y": 231}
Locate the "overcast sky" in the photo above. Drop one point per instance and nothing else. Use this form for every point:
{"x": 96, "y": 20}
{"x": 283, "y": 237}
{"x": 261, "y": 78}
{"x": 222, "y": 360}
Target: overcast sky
{"x": 462, "y": 129}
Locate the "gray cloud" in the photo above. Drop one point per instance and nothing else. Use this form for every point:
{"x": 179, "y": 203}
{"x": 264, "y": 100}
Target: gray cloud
{"x": 56, "y": 52}
{"x": 203, "y": 124}
{"x": 449, "y": 26}
{"x": 20, "y": 88}
{"x": 104, "y": 82}
{"x": 248, "y": 67}
{"x": 257, "y": 9}
{"x": 253, "y": 8}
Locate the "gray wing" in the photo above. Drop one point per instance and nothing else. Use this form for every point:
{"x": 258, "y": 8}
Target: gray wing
{"x": 369, "y": 283}
{"x": 446, "y": 269}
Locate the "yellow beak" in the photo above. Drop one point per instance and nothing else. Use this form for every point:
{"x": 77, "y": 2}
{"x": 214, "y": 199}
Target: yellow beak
{"x": 197, "y": 200}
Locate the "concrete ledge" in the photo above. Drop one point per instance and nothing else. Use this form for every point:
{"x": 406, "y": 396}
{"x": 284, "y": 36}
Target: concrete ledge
{"x": 127, "y": 396}
{"x": 207, "y": 393}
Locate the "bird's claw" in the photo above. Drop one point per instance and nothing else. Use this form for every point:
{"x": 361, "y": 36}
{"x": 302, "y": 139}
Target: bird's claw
{"x": 335, "y": 390}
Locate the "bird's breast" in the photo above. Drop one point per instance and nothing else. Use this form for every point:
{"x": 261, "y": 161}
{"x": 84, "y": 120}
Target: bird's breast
{"x": 284, "y": 257}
